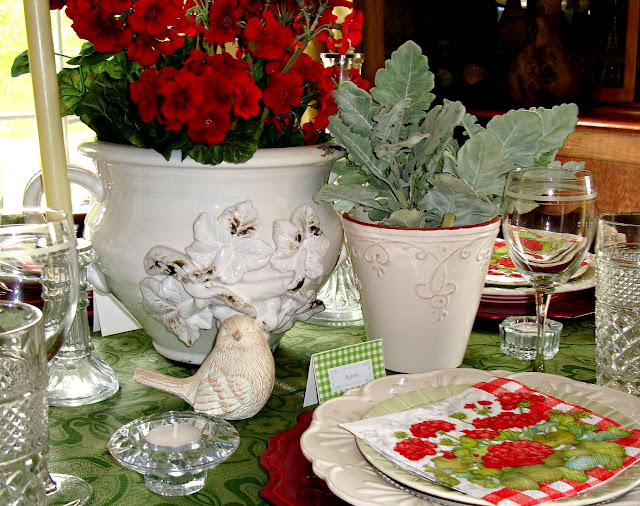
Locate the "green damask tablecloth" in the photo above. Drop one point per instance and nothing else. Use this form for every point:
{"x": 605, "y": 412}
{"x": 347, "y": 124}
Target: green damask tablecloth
{"x": 78, "y": 436}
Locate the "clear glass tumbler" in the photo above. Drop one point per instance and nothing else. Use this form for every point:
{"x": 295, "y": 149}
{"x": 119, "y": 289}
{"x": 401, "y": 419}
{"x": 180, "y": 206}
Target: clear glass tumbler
{"x": 618, "y": 301}
{"x": 23, "y": 405}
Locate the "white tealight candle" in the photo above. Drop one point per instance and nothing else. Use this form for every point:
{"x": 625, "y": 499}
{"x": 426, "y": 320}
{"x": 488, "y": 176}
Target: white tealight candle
{"x": 175, "y": 437}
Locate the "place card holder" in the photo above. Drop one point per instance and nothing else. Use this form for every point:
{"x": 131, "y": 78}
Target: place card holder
{"x": 334, "y": 371}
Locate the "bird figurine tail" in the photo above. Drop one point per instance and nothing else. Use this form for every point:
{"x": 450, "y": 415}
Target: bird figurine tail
{"x": 154, "y": 379}
{"x": 233, "y": 382}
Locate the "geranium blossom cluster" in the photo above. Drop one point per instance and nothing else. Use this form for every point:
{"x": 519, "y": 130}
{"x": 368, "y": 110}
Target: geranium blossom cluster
{"x": 212, "y": 72}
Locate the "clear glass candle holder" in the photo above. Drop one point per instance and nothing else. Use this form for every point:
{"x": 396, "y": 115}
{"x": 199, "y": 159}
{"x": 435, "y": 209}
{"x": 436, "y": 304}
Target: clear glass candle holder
{"x": 518, "y": 337}
{"x": 174, "y": 450}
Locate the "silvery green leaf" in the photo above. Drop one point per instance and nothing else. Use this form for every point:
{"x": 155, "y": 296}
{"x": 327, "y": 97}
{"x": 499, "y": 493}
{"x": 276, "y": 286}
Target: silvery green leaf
{"x": 356, "y": 108}
{"x": 405, "y": 75}
{"x": 451, "y": 195}
{"x": 440, "y": 123}
{"x": 483, "y": 163}
{"x": 359, "y": 148}
{"x": 409, "y": 218}
{"x": 520, "y": 133}
{"x": 573, "y": 165}
{"x": 557, "y": 124}
{"x": 354, "y": 195}
{"x": 387, "y": 123}
{"x": 470, "y": 124}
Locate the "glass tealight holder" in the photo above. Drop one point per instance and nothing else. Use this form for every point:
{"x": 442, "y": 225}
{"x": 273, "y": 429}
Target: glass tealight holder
{"x": 174, "y": 450}
{"x": 518, "y": 337}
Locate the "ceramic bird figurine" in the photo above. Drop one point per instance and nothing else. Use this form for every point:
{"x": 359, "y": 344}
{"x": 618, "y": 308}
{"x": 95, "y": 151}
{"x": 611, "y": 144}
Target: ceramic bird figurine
{"x": 234, "y": 381}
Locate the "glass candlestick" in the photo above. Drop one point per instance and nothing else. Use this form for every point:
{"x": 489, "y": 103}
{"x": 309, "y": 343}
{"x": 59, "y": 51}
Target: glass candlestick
{"x": 339, "y": 293}
{"x": 77, "y": 376}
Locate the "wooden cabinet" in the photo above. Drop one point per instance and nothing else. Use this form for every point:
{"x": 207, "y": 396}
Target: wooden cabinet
{"x": 610, "y": 146}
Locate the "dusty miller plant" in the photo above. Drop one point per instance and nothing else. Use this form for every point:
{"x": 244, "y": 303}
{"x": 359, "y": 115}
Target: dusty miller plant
{"x": 412, "y": 165}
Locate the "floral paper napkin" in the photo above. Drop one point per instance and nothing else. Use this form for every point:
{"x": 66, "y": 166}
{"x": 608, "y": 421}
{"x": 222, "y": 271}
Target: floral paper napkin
{"x": 504, "y": 442}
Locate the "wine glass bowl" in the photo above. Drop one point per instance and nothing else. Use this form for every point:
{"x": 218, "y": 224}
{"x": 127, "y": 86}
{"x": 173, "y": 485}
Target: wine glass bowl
{"x": 548, "y": 223}
{"x": 39, "y": 266}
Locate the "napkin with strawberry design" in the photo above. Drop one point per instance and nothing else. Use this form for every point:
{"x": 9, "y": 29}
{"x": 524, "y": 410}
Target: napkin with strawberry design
{"x": 504, "y": 442}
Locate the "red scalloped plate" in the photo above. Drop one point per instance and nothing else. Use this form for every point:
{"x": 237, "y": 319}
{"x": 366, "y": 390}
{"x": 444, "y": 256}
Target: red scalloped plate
{"x": 291, "y": 479}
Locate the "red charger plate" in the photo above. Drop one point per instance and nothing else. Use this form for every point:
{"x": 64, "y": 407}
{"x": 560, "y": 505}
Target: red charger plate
{"x": 291, "y": 479}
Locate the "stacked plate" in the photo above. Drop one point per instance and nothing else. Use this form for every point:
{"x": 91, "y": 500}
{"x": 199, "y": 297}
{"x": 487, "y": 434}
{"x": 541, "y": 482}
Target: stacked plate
{"x": 506, "y": 293}
{"x": 359, "y": 475}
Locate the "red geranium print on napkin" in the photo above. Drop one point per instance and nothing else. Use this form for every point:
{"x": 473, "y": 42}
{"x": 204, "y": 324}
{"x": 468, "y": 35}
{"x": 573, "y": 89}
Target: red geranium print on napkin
{"x": 504, "y": 442}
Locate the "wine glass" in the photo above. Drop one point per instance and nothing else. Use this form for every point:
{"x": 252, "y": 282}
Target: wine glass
{"x": 39, "y": 266}
{"x": 548, "y": 222}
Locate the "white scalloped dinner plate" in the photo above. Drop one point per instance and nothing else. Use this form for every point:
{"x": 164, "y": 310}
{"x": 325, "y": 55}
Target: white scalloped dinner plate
{"x": 584, "y": 282}
{"x": 336, "y": 458}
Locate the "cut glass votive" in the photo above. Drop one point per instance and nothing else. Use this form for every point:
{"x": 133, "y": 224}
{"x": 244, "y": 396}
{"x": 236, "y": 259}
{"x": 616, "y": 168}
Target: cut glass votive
{"x": 174, "y": 450}
{"x": 518, "y": 337}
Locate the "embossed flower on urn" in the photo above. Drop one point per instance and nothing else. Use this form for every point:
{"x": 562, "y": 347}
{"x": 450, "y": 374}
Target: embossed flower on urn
{"x": 166, "y": 300}
{"x": 230, "y": 246}
{"x": 300, "y": 247}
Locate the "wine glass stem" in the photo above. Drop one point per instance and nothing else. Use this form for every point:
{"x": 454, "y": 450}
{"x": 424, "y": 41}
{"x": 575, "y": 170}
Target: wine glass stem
{"x": 542, "y": 305}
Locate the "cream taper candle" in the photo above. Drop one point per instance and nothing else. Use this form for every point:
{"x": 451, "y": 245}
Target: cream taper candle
{"x": 47, "y": 101}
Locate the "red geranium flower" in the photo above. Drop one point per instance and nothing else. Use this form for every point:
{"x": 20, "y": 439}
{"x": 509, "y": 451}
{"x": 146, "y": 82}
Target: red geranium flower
{"x": 155, "y": 17}
{"x": 508, "y": 420}
{"x": 284, "y": 91}
{"x": 182, "y": 96}
{"x": 511, "y": 400}
{"x": 224, "y": 18}
{"x": 106, "y": 33}
{"x": 269, "y": 41}
{"x": 146, "y": 50}
{"x": 415, "y": 449}
{"x": 144, "y": 93}
{"x": 505, "y": 262}
{"x": 516, "y": 454}
{"x": 481, "y": 434}
{"x": 429, "y": 428}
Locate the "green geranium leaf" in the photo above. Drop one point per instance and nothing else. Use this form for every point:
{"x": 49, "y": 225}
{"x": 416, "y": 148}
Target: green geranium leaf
{"x": 454, "y": 465}
{"x": 574, "y": 474}
{"x": 239, "y": 151}
{"x": 442, "y": 476}
{"x": 484, "y": 481}
{"x": 517, "y": 481}
{"x": 604, "y": 435}
{"x": 556, "y": 438}
{"x": 608, "y": 448}
{"x": 20, "y": 65}
{"x": 541, "y": 473}
{"x": 586, "y": 462}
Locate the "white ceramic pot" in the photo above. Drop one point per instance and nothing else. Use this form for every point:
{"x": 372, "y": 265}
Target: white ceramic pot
{"x": 420, "y": 289}
{"x": 184, "y": 245}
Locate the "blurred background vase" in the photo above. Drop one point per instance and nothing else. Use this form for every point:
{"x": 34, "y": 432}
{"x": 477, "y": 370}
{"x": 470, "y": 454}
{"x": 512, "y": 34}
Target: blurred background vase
{"x": 545, "y": 72}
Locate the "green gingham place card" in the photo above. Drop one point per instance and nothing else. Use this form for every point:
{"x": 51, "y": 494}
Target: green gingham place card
{"x": 334, "y": 371}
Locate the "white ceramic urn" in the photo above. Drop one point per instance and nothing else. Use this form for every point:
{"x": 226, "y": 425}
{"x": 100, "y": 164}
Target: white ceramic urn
{"x": 185, "y": 245}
